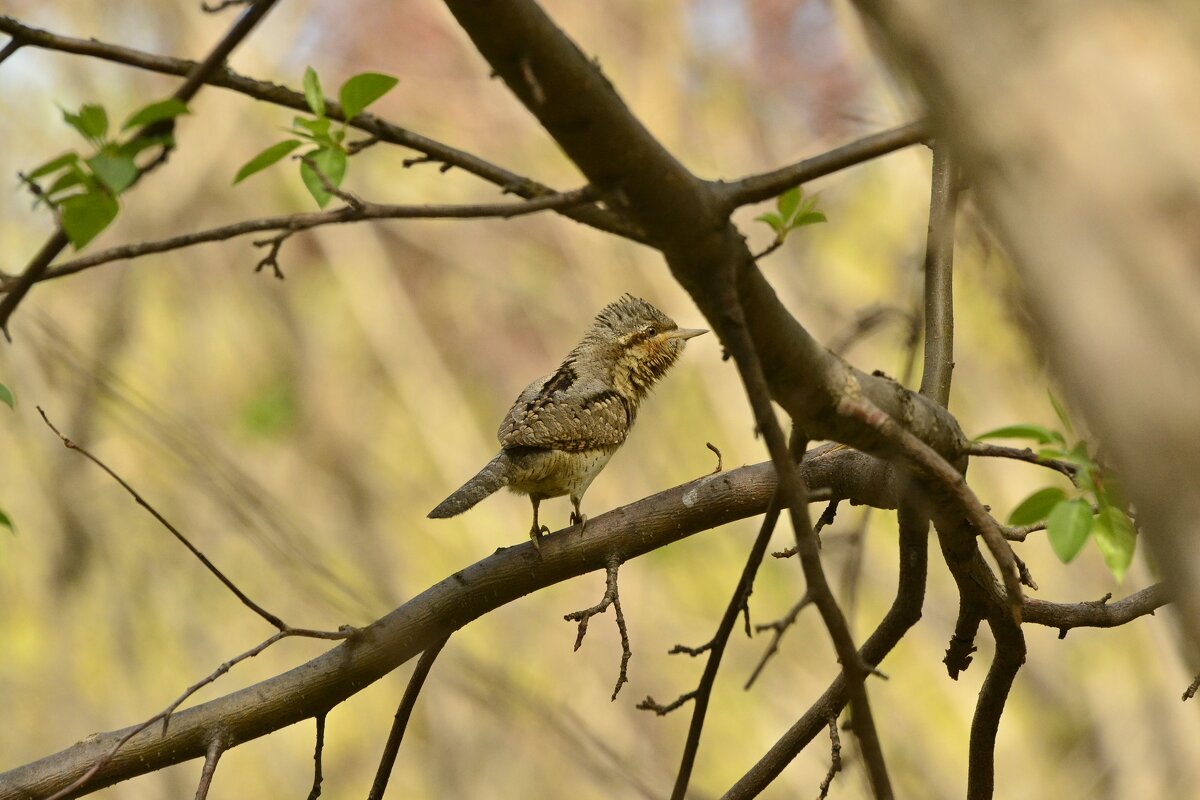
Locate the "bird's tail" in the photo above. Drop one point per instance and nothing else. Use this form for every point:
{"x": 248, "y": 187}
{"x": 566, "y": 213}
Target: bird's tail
{"x": 489, "y": 480}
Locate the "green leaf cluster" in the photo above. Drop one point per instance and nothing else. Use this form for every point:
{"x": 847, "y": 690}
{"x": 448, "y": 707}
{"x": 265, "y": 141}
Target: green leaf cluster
{"x": 327, "y": 154}
{"x": 84, "y": 187}
{"x": 792, "y": 210}
{"x": 1096, "y": 508}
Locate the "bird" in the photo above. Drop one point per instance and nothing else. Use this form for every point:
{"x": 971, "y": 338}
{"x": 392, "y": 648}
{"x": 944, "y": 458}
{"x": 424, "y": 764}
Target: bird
{"x": 565, "y": 426}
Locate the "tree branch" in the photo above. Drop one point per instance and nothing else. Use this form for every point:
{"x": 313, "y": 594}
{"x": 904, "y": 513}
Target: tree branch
{"x": 513, "y": 572}
{"x": 987, "y": 450}
{"x": 716, "y": 649}
{"x": 904, "y": 612}
{"x": 400, "y": 723}
{"x": 292, "y": 223}
{"x": 268, "y": 92}
{"x": 939, "y": 278}
{"x": 756, "y": 188}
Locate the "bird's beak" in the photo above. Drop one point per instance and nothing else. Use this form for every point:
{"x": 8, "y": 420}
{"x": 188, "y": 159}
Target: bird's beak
{"x": 685, "y": 333}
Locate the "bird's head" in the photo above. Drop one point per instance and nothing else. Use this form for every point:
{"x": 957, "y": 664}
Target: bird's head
{"x": 638, "y": 342}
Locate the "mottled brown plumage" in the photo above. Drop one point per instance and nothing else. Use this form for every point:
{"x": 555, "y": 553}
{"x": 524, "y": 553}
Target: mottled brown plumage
{"x": 564, "y": 427}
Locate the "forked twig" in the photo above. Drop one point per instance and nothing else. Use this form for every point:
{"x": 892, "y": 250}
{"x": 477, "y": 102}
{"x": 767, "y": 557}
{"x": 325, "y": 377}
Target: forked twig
{"x": 611, "y": 598}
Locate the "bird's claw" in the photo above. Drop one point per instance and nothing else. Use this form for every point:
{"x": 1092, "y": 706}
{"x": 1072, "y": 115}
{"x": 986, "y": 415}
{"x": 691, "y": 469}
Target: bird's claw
{"x": 535, "y": 536}
{"x": 580, "y": 520}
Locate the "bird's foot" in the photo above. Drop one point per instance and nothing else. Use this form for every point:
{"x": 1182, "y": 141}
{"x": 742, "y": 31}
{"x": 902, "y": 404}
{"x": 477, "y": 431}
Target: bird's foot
{"x": 535, "y": 535}
{"x": 579, "y": 519}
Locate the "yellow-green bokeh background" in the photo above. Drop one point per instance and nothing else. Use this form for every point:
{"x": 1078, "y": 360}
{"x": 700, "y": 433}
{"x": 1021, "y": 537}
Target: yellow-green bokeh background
{"x": 298, "y": 431}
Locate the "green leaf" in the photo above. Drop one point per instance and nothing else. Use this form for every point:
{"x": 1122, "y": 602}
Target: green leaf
{"x": 1067, "y": 527}
{"x": 1028, "y": 430}
{"x": 1116, "y": 539}
{"x": 91, "y": 121}
{"x": 788, "y": 202}
{"x": 6, "y": 396}
{"x": 115, "y": 171}
{"x": 809, "y": 218}
{"x": 332, "y": 164}
{"x": 1037, "y": 506}
{"x": 54, "y": 165}
{"x": 363, "y": 89}
{"x": 1061, "y": 412}
{"x": 7, "y": 522}
{"x": 266, "y": 158}
{"x": 85, "y": 215}
{"x": 312, "y": 92}
{"x": 72, "y": 177}
{"x": 317, "y": 129}
{"x": 772, "y": 219}
{"x": 155, "y": 112}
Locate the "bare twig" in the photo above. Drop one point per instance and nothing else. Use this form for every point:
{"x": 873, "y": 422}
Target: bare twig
{"x": 713, "y": 447}
{"x": 716, "y": 648}
{"x": 835, "y": 758}
{"x": 756, "y": 188}
{"x": 1190, "y": 691}
{"x": 271, "y": 259}
{"x": 403, "y": 712}
{"x": 318, "y": 749}
{"x": 215, "y": 748}
{"x": 939, "y": 277}
{"x": 778, "y": 628}
{"x": 298, "y": 222}
{"x": 650, "y": 704}
{"x": 611, "y": 598}
{"x": 986, "y": 450}
{"x": 209, "y": 565}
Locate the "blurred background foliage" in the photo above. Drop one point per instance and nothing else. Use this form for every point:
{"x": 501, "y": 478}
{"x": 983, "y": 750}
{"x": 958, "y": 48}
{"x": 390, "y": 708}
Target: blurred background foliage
{"x": 299, "y": 431}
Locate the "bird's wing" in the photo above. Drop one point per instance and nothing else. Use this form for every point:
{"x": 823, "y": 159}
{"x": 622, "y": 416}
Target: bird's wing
{"x": 563, "y": 412}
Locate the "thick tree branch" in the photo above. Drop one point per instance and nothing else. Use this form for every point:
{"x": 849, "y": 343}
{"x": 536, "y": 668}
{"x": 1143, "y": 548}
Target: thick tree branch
{"x": 685, "y": 217}
{"x": 513, "y": 572}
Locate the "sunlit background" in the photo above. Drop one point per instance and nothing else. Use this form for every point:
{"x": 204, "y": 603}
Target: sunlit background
{"x": 299, "y": 430}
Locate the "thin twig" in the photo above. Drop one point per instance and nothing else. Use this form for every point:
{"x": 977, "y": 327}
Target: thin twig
{"x": 403, "y": 713}
{"x": 835, "y": 758}
{"x": 716, "y": 646}
{"x": 987, "y": 450}
{"x": 1190, "y": 692}
{"x": 612, "y": 597}
{"x": 318, "y": 748}
{"x": 713, "y": 447}
{"x": 304, "y": 221}
{"x": 215, "y": 748}
{"x": 779, "y": 627}
{"x": 939, "y": 277}
{"x": 756, "y": 188}
{"x": 209, "y": 565}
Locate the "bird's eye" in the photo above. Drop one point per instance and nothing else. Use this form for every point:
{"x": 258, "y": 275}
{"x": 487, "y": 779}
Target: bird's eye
{"x": 650, "y": 331}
